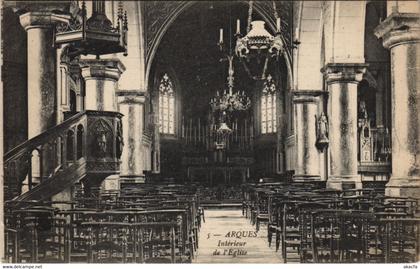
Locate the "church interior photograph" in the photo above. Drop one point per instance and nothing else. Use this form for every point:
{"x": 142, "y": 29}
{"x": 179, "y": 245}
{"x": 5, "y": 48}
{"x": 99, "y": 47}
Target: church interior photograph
{"x": 210, "y": 132}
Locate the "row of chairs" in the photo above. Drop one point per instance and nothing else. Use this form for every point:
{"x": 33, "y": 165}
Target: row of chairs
{"x": 313, "y": 224}
{"x": 160, "y": 225}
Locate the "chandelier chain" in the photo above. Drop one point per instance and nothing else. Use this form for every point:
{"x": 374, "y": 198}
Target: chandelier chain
{"x": 230, "y": 30}
{"x": 230, "y": 78}
{"x": 248, "y": 27}
{"x": 276, "y": 14}
{"x": 120, "y": 10}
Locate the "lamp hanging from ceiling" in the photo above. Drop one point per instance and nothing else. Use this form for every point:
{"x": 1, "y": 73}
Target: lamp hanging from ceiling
{"x": 230, "y": 101}
{"x": 223, "y": 133}
{"x": 258, "y": 46}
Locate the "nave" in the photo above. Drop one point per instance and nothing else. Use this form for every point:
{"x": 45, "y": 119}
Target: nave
{"x": 168, "y": 223}
{"x": 133, "y": 129}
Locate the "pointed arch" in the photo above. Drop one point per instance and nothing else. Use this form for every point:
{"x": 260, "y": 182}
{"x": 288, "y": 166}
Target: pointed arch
{"x": 174, "y": 12}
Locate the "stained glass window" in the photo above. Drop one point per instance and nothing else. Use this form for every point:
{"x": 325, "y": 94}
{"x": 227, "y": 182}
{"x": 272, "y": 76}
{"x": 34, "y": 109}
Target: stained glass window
{"x": 166, "y": 106}
{"x": 268, "y": 107}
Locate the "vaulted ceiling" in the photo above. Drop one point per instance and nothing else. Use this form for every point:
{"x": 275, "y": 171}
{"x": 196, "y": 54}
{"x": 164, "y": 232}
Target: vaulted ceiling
{"x": 189, "y": 48}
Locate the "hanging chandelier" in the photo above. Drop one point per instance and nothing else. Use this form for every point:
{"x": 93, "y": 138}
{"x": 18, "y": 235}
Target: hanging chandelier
{"x": 258, "y": 46}
{"x": 229, "y": 100}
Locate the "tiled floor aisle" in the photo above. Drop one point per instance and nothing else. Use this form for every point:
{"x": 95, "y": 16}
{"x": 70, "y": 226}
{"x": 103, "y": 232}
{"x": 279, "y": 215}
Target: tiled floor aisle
{"x": 217, "y": 227}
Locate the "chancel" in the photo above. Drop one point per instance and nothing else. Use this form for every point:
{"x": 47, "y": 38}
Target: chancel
{"x": 210, "y": 132}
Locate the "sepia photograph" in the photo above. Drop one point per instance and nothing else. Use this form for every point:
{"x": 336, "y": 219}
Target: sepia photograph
{"x": 209, "y": 132}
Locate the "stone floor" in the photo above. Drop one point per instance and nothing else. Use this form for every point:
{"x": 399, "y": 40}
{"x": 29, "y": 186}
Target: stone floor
{"x": 228, "y": 237}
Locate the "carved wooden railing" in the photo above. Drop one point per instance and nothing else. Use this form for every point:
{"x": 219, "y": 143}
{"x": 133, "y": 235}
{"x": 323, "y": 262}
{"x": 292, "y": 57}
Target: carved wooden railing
{"x": 86, "y": 145}
{"x": 374, "y": 151}
{"x": 374, "y": 145}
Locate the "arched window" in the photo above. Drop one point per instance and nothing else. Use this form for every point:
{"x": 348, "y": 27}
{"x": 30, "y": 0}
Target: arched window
{"x": 166, "y": 106}
{"x": 268, "y": 107}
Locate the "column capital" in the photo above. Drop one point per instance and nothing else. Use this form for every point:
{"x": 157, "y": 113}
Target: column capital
{"x": 399, "y": 28}
{"x": 344, "y": 72}
{"x": 102, "y": 68}
{"x": 41, "y": 15}
{"x": 131, "y": 97}
{"x": 307, "y": 96}
{"x": 58, "y": 6}
{"x": 41, "y": 19}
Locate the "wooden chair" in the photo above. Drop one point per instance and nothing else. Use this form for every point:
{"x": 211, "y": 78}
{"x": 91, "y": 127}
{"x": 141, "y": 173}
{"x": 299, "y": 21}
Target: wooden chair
{"x": 305, "y": 210}
{"x": 32, "y": 224}
{"x": 376, "y": 235}
{"x": 262, "y": 203}
{"x": 291, "y": 233}
{"x": 401, "y": 240}
{"x": 277, "y": 222}
{"x": 108, "y": 242}
{"x": 77, "y": 244}
{"x": 340, "y": 235}
{"x": 53, "y": 243}
{"x": 12, "y": 249}
{"x": 274, "y": 219}
{"x": 185, "y": 233}
{"x": 158, "y": 242}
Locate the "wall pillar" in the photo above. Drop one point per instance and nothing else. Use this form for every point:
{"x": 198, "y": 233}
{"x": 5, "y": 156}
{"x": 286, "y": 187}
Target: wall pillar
{"x": 131, "y": 105}
{"x": 401, "y": 35}
{"x": 101, "y": 77}
{"x": 307, "y": 156}
{"x": 342, "y": 80}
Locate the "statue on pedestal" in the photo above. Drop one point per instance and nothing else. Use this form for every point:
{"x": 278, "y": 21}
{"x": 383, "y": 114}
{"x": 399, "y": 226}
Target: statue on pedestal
{"x": 322, "y": 131}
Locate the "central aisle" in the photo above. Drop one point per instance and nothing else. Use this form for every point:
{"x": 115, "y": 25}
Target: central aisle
{"x": 219, "y": 234}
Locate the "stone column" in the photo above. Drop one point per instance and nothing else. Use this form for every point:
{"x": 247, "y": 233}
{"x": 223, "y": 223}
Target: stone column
{"x": 38, "y": 23}
{"x": 401, "y": 35}
{"x": 131, "y": 105}
{"x": 156, "y": 145}
{"x": 342, "y": 80}
{"x": 101, "y": 77}
{"x": 101, "y": 83}
{"x": 307, "y": 156}
{"x": 41, "y": 69}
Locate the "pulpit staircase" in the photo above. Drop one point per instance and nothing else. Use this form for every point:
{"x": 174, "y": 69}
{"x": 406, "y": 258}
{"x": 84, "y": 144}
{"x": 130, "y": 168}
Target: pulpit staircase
{"x": 85, "y": 147}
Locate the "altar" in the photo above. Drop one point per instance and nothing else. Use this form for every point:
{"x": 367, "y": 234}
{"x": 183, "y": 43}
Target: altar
{"x": 234, "y": 171}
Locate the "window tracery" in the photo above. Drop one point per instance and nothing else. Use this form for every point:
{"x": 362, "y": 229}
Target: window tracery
{"x": 166, "y": 105}
{"x": 268, "y": 106}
